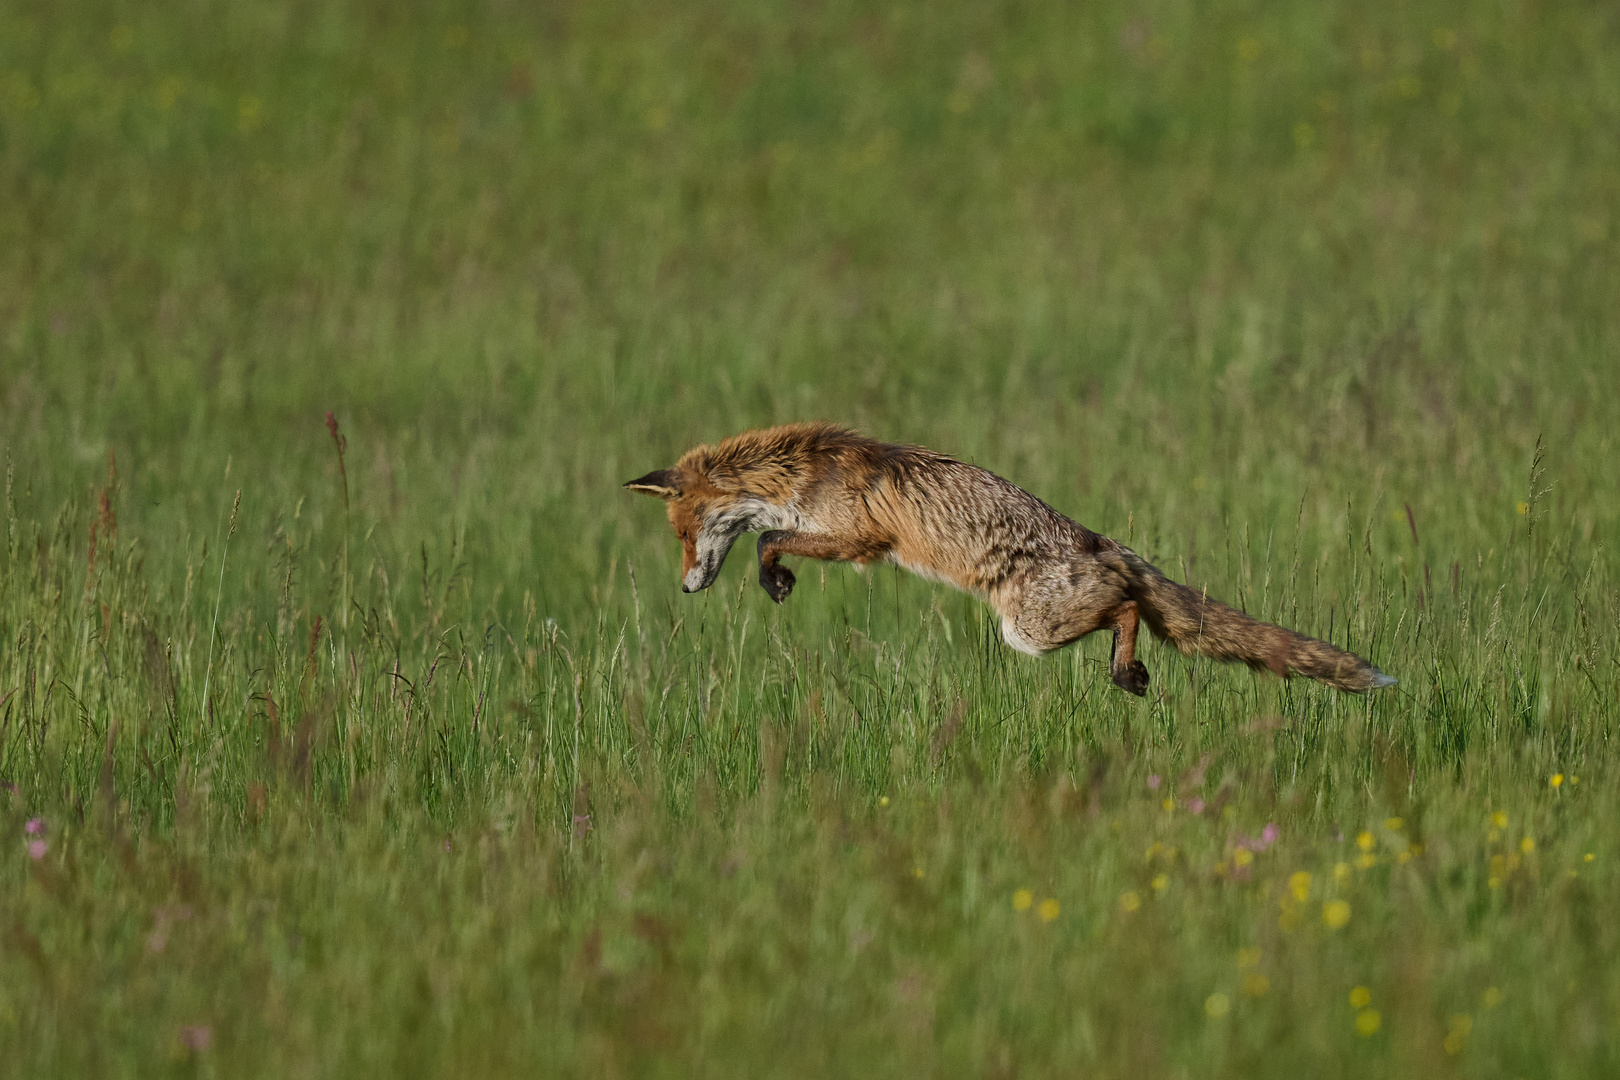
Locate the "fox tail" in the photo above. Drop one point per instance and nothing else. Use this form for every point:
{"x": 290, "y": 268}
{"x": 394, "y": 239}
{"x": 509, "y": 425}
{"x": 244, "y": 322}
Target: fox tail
{"x": 1199, "y": 626}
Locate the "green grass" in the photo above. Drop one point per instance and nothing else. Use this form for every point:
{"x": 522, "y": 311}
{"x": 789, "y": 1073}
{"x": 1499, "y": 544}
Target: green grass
{"x": 1287, "y": 298}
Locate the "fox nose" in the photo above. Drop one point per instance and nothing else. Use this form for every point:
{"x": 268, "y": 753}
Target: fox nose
{"x": 685, "y": 587}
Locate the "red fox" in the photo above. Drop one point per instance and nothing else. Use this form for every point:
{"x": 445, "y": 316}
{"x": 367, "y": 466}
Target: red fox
{"x": 825, "y": 492}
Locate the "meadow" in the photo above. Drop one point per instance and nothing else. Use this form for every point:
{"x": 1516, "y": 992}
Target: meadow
{"x": 352, "y": 721}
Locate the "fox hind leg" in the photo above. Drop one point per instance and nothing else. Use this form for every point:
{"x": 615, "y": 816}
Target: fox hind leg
{"x": 1058, "y": 607}
{"x": 1054, "y": 609}
{"x": 1128, "y": 672}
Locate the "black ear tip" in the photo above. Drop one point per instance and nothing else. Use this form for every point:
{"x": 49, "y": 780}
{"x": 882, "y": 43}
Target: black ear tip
{"x": 661, "y": 483}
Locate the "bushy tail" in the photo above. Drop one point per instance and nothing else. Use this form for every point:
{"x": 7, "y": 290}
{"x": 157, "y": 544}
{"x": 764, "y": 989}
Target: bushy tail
{"x": 1199, "y": 626}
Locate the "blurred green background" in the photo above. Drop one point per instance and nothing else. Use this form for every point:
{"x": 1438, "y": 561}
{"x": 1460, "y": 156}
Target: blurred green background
{"x": 1286, "y": 297}
{"x": 529, "y": 249}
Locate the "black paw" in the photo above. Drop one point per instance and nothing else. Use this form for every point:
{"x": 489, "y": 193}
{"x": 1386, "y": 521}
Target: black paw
{"x": 1133, "y": 677}
{"x": 777, "y": 581}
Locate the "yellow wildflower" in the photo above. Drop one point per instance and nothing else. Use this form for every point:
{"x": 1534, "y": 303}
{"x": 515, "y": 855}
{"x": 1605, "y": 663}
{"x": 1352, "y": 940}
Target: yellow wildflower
{"x": 1555, "y": 780}
{"x": 1242, "y": 857}
{"x": 1394, "y": 824}
{"x": 1368, "y": 1022}
{"x": 1299, "y": 883}
{"x": 1527, "y": 845}
{"x": 1022, "y": 899}
{"x": 1365, "y": 841}
{"x": 1129, "y": 901}
{"x": 1341, "y": 873}
{"x": 1255, "y": 984}
{"x": 1360, "y": 997}
{"x": 1335, "y": 913}
{"x": 1248, "y": 957}
{"x": 1048, "y": 910}
{"x": 1217, "y": 1006}
{"x": 1366, "y": 860}
{"x": 1499, "y": 819}
{"x": 1491, "y": 998}
{"x": 168, "y": 92}
{"x": 1161, "y": 882}
{"x": 1461, "y": 1025}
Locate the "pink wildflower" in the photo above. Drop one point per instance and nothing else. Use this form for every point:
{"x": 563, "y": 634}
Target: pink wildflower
{"x": 35, "y": 826}
{"x": 1153, "y": 782}
{"x": 1196, "y": 806}
{"x": 1267, "y": 837}
{"x": 37, "y": 849}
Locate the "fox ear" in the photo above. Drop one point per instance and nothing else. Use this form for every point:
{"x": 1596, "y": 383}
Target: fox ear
{"x": 664, "y": 483}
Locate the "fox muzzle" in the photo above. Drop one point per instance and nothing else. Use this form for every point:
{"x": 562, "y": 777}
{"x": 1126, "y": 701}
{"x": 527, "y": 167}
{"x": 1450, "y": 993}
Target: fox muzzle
{"x": 712, "y": 549}
{"x": 700, "y": 577}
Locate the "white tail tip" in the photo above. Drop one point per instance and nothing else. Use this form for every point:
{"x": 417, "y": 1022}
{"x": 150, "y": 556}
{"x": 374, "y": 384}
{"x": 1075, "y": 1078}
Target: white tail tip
{"x": 1380, "y": 681}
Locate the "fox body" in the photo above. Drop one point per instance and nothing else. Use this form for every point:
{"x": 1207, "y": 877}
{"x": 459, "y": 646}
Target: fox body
{"x": 824, "y": 492}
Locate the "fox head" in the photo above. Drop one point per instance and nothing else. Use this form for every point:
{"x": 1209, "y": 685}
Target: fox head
{"x": 706, "y": 518}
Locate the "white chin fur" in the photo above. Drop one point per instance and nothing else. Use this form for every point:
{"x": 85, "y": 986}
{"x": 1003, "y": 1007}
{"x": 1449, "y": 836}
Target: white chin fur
{"x": 693, "y": 582}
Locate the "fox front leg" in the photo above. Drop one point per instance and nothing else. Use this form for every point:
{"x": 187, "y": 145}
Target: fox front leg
{"x": 777, "y": 579}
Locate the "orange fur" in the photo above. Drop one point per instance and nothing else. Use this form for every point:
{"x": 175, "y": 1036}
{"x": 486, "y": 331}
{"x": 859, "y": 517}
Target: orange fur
{"x": 824, "y": 492}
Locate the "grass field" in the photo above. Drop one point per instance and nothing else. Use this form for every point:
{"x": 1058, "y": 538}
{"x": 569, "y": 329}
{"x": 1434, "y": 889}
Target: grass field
{"x": 393, "y": 749}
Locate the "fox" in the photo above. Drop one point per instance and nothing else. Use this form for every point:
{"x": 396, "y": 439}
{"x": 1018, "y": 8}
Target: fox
{"x": 819, "y": 490}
